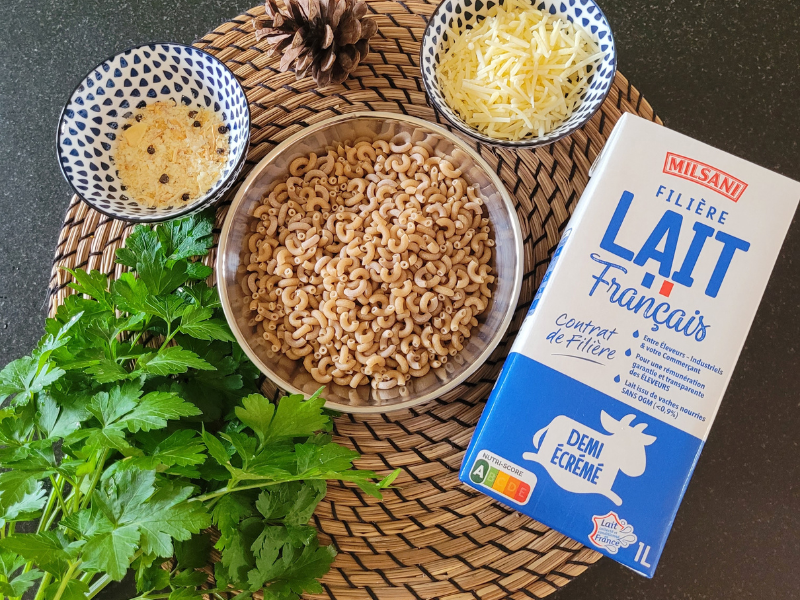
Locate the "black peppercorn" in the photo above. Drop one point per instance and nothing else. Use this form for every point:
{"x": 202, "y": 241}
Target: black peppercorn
{"x": 220, "y": 151}
{"x": 197, "y": 124}
{"x": 151, "y": 150}
{"x": 223, "y": 129}
{"x": 185, "y": 197}
{"x": 126, "y": 126}
{"x": 192, "y": 114}
{"x": 139, "y": 118}
{"x": 164, "y": 178}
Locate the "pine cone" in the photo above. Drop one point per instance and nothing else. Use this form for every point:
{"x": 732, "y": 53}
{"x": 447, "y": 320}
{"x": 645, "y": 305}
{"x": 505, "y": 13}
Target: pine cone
{"x": 324, "y": 38}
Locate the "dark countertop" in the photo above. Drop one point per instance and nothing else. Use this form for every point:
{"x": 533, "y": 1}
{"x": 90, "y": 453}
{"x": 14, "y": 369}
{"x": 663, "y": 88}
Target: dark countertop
{"x": 722, "y": 71}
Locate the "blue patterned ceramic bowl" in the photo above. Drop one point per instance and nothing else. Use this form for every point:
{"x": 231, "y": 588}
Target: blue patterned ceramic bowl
{"x": 111, "y": 93}
{"x": 458, "y": 13}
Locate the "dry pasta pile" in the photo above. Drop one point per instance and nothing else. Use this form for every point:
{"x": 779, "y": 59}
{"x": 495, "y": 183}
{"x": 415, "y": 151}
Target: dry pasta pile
{"x": 370, "y": 264}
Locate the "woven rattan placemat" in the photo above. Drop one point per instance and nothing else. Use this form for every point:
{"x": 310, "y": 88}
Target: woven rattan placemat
{"x": 431, "y": 537}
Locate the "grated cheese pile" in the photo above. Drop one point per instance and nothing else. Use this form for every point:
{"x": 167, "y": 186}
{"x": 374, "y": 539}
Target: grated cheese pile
{"x": 171, "y": 154}
{"x": 518, "y": 72}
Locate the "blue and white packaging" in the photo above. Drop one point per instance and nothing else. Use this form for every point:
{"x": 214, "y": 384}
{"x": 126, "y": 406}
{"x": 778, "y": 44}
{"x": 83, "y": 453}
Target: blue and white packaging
{"x": 603, "y": 406}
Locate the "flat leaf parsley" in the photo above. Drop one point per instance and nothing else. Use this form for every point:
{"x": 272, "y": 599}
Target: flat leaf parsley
{"x": 136, "y": 424}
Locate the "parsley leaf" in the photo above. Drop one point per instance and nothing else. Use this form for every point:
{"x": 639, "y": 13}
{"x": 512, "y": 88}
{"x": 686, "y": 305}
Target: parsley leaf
{"x": 182, "y": 448}
{"x": 295, "y": 572}
{"x": 183, "y": 593}
{"x": 140, "y": 515}
{"x": 194, "y": 552}
{"x": 161, "y": 278}
{"x": 21, "y": 496}
{"x": 201, "y": 295}
{"x": 292, "y": 503}
{"x": 233, "y": 516}
{"x": 121, "y": 495}
{"x": 168, "y": 515}
{"x": 197, "y": 322}
{"x": 197, "y": 270}
{"x": 112, "y": 551}
{"x": 158, "y": 256}
{"x": 107, "y": 371}
{"x": 172, "y": 360}
{"x": 293, "y": 417}
{"x": 149, "y": 574}
{"x": 93, "y": 284}
{"x": 168, "y": 308}
{"x": 142, "y": 246}
{"x": 26, "y": 375}
{"x": 186, "y": 237}
{"x": 16, "y": 586}
{"x": 51, "y": 550}
{"x": 109, "y": 407}
{"x": 130, "y": 293}
{"x": 75, "y": 589}
{"x": 215, "y": 448}
{"x": 155, "y": 409}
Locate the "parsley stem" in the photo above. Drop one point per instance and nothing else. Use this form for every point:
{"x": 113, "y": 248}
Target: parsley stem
{"x": 52, "y": 518}
{"x": 57, "y": 482}
{"x": 95, "y": 478}
{"x": 43, "y": 586}
{"x": 42, "y": 526}
{"x": 44, "y": 520}
{"x": 98, "y": 586}
{"x": 76, "y": 494}
{"x": 48, "y": 515}
{"x": 136, "y": 337}
{"x": 170, "y": 335}
{"x": 228, "y": 490}
{"x": 149, "y": 596}
{"x": 66, "y": 579}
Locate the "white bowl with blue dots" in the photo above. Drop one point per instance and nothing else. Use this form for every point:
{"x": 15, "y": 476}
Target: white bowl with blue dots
{"x": 457, "y": 14}
{"x": 113, "y": 91}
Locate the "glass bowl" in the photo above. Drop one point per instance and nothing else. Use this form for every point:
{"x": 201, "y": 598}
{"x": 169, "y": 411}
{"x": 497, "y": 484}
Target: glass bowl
{"x": 507, "y": 262}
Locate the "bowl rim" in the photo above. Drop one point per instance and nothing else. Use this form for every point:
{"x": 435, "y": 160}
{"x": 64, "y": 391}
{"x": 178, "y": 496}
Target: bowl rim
{"x": 212, "y": 198}
{"x": 463, "y": 145}
{"x": 485, "y": 139}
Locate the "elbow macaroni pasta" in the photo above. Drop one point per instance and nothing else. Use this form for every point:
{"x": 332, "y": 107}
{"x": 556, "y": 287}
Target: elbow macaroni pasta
{"x": 370, "y": 264}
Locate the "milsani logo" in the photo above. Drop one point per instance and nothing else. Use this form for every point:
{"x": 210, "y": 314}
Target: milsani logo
{"x": 706, "y": 175}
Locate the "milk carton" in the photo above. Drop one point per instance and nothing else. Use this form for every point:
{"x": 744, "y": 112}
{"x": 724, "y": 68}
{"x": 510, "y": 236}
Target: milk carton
{"x": 601, "y": 410}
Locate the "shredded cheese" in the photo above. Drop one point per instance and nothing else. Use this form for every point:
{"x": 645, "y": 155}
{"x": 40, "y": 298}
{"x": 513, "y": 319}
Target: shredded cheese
{"x": 519, "y": 72}
{"x": 170, "y": 154}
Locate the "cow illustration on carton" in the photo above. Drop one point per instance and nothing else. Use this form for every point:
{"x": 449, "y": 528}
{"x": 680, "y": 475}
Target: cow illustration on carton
{"x": 584, "y": 461}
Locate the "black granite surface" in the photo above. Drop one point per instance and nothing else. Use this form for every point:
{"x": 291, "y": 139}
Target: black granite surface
{"x": 723, "y": 71}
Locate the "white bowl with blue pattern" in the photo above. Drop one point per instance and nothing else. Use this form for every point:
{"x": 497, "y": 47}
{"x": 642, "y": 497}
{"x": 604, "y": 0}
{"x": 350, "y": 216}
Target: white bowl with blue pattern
{"x": 120, "y": 85}
{"x": 457, "y": 14}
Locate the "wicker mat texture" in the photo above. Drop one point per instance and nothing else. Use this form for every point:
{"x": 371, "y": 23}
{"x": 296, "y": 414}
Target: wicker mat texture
{"x": 431, "y": 537}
